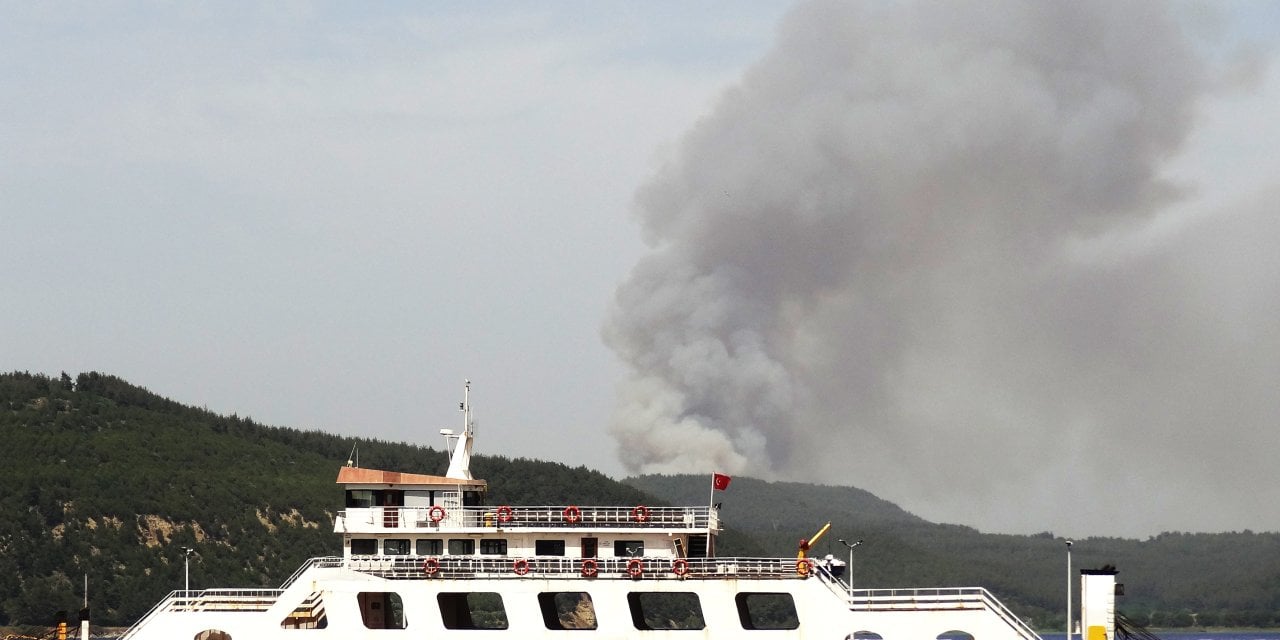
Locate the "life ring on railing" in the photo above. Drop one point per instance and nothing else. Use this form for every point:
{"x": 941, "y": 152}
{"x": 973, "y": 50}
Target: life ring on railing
{"x": 505, "y": 513}
{"x": 437, "y": 513}
{"x": 640, "y": 513}
{"x": 589, "y": 568}
{"x": 520, "y": 567}
{"x": 680, "y": 567}
{"x": 572, "y": 514}
{"x": 804, "y": 567}
{"x": 430, "y": 566}
{"x": 635, "y": 567}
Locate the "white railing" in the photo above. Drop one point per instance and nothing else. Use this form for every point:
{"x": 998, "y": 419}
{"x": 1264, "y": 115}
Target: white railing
{"x": 938, "y": 599}
{"x": 429, "y": 518}
{"x": 241, "y": 600}
{"x": 643, "y": 568}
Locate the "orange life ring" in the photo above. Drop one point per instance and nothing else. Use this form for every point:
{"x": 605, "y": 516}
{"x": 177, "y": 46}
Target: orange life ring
{"x": 804, "y": 567}
{"x": 589, "y": 568}
{"x": 680, "y": 567}
{"x": 430, "y": 566}
{"x": 635, "y": 567}
{"x": 640, "y": 513}
{"x": 572, "y": 514}
{"x": 520, "y": 567}
{"x": 505, "y": 513}
{"x": 437, "y": 513}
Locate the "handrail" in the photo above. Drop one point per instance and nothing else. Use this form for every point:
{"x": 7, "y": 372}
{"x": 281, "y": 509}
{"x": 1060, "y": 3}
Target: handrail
{"x": 514, "y": 567}
{"x": 322, "y": 562}
{"x": 934, "y": 598}
{"x": 525, "y": 517}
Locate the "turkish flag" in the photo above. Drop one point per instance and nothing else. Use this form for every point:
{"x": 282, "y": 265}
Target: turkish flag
{"x": 720, "y": 481}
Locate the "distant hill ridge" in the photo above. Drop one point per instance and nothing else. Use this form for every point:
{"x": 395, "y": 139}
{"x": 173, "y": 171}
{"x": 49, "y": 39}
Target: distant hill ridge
{"x": 107, "y": 478}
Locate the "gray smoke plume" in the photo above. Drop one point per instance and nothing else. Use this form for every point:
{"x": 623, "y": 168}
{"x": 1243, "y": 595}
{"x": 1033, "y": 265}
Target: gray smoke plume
{"x": 910, "y": 251}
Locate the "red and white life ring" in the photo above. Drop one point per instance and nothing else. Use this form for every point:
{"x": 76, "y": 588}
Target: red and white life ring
{"x": 635, "y": 567}
{"x": 640, "y": 513}
{"x": 680, "y": 567}
{"x": 520, "y": 567}
{"x": 505, "y": 513}
{"x": 437, "y": 513}
{"x": 589, "y": 568}
{"x": 430, "y": 566}
{"x": 572, "y": 514}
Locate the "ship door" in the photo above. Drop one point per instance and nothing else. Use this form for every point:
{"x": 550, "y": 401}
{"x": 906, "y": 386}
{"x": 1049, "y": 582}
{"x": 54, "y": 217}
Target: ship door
{"x": 391, "y": 502}
{"x": 590, "y": 547}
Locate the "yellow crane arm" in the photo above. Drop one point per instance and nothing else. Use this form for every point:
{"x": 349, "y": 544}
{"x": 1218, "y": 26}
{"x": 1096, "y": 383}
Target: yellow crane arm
{"x": 806, "y": 544}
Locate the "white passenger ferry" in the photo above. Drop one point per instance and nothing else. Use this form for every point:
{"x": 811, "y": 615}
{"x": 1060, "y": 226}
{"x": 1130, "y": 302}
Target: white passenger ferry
{"x": 424, "y": 557}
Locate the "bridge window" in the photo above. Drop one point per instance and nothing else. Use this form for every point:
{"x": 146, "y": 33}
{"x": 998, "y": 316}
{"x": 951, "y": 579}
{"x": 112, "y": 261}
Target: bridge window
{"x": 493, "y": 547}
{"x": 628, "y": 548}
{"x": 955, "y": 634}
{"x": 381, "y": 610}
{"x": 666, "y": 610}
{"x": 462, "y": 547}
{"x": 430, "y": 547}
{"x": 548, "y": 547}
{"x": 475, "y": 610}
{"x": 567, "y": 610}
{"x": 364, "y": 547}
{"x": 395, "y": 547}
{"x": 359, "y": 498}
{"x": 213, "y": 634}
{"x": 767, "y": 611}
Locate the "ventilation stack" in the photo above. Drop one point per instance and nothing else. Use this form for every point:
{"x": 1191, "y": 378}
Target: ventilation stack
{"x": 1098, "y": 591}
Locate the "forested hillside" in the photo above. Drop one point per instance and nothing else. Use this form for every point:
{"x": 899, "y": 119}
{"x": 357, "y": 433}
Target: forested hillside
{"x": 105, "y": 478}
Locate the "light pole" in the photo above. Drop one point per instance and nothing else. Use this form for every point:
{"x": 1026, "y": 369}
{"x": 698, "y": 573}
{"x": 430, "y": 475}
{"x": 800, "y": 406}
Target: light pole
{"x": 186, "y": 567}
{"x": 848, "y": 568}
{"x": 1069, "y": 626}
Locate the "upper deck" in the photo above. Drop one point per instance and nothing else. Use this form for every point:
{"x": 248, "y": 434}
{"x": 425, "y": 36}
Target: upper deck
{"x": 557, "y": 518}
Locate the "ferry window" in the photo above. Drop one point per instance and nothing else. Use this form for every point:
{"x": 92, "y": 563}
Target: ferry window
{"x": 956, "y": 634}
{"x": 462, "y": 547}
{"x": 429, "y": 547}
{"x": 548, "y": 547}
{"x": 476, "y": 610}
{"x": 395, "y": 547}
{"x": 867, "y": 635}
{"x": 364, "y": 547}
{"x": 493, "y": 547}
{"x": 381, "y": 610}
{"x": 567, "y": 610}
{"x": 359, "y": 498}
{"x": 213, "y": 634}
{"x": 628, "y": 548}
{"x": 767, "y": 611}
{"x": 472, "y": 498}
{"x": 666, "y": 610}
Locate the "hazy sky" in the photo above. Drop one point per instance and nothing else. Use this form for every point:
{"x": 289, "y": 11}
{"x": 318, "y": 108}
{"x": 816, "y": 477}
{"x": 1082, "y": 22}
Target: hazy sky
{"x": 1011, "y": 268}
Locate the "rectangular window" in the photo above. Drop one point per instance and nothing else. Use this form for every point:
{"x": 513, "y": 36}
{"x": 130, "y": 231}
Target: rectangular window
{"x": 628, "y": 548}
{"x": 548, "y": 547}
{"x": 493, "y": 547}
{"x": 476, "y": 610}
{"x": 462, "y": 547}
{"x": 364, "y": 547}
{"x": 395, "y": 547}
{"x": 359, "y": 498}
{"x": 666, "y": 610}
{"x": 430, "y": 547}
{"x": 381, "y": 610}
{"x": 567, "y": 610}
{"x": 767, "y": 611}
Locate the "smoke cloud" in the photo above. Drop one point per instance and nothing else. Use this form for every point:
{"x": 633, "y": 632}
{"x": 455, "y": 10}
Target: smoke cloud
{"x": 925, "y": 249}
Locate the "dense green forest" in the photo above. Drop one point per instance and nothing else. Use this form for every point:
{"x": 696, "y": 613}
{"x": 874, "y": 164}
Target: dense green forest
{"x": 107, "y": 479}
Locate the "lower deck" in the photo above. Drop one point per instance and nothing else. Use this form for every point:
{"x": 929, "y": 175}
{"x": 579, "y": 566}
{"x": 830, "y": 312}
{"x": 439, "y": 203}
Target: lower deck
{"x": 331, "y": 599}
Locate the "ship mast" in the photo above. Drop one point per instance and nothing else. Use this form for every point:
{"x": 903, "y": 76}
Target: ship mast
{"x": 460, "y": 457}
